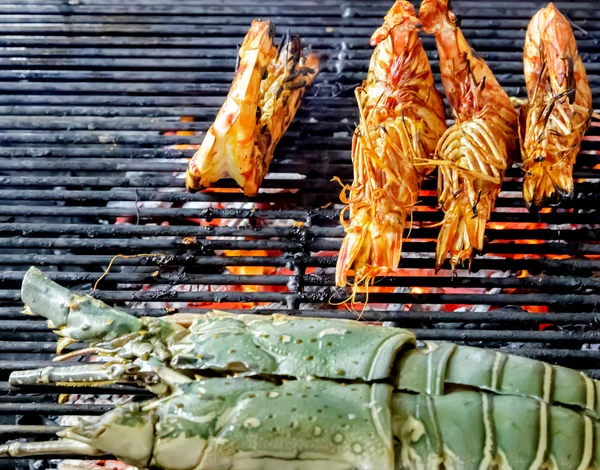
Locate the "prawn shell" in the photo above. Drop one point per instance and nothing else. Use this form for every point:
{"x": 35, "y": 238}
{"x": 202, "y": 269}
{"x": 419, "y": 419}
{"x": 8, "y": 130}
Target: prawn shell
{"x": 558, "y": 112}
{"x": 401, "y": 120}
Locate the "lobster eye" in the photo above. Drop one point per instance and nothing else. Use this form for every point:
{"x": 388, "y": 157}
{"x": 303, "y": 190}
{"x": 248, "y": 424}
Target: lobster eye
{"x": 540, "y": 158}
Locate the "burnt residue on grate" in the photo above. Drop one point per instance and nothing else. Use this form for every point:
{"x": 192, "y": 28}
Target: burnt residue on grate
{"x": 93, "y": 150}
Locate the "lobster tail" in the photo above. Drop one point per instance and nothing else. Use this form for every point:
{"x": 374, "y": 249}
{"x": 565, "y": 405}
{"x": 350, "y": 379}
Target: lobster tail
{"x": 263, "y": 99}
{"x": 281, "y": 91}
{"x": 228, "y": 145}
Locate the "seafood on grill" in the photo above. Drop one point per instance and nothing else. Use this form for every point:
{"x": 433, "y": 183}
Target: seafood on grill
{"x": 401, "y": 121}
{"x": 272, "y": 392}
{"x": 475, "y": 152}
{"x": 558, "y": 112}
{"x": 265, "y": 94}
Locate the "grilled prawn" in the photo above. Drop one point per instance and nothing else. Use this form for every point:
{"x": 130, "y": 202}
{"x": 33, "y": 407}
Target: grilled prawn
{"x": 559, "y": 110}
{"x": 264, "y": 97}
{"x": 475, "y": 152}
{"x": 401, "y": 120}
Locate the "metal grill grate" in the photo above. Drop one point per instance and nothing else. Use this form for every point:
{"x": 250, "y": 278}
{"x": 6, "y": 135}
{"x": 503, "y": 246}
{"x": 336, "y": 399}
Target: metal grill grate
{"x": 92, "y": 150}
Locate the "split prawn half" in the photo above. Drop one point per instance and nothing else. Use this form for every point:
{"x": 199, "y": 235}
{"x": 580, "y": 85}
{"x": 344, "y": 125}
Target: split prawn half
{"x": 475, "y": 152}
{"x": 265, "y": 94}
{"x": 401, "y": 121}
{"x": 559, "y": 109}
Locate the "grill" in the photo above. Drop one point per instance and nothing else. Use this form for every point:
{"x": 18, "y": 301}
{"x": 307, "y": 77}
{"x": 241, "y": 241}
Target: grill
{"x": 101, "y": 104}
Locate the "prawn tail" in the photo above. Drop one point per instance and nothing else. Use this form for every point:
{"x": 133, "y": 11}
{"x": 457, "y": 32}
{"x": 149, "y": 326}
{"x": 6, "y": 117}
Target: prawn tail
{"x": 353, "y": 254}
{"x": 545, "y": 184}
{"x": 446, "y": 237}
{"x": 371, "y": 248}
{"x": 462, "y": 232}
{"x": 386, "y": 241}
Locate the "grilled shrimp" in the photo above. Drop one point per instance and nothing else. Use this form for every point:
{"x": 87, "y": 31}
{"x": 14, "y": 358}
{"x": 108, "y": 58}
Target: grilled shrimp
{"x": 475, "y": 152}
{"x": 553, "y": 122}
{"x": 263, "y": 99}
{"x": 401, "y": 120}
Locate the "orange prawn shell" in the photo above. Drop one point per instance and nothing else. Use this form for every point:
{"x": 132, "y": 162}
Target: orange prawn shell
{"x": 229, "y": 143}
{"x": 401, "y": 120}
{"x": 262, "y": 101}
{"x": 558, "y": 113}
{"x": 550, "y": 39}
{"x": 475, "y": 152}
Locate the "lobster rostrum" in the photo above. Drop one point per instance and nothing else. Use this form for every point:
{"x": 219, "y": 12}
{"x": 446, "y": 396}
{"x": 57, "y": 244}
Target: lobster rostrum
{"x": 278, "y": 392}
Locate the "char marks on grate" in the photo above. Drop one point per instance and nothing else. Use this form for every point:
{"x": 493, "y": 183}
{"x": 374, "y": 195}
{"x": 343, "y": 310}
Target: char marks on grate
{"x": 93, "y": 153}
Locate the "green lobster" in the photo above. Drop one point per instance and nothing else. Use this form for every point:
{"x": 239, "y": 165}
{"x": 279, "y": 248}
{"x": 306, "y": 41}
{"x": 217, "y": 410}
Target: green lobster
{"x": 256, "y": 392}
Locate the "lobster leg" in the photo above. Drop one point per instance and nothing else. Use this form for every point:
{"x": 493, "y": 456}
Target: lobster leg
{"x": 158, "y": 380}
{"x": 59, "y": 447}
{"x": 92, "y": 374}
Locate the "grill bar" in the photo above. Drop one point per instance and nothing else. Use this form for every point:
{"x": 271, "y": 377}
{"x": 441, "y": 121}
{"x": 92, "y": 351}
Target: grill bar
{"x": 320, "y": 215}
{"x": 565, "y": 301}
{"x": 49, "y": 347}
{"x": 311, "y": 196}
{"x": 92, "y": 156}
{"x": 12, "y": 409}
{"x": 501, "y": 316}
{"x": 67, "y": 278}
{"x": 109, "y": 245}
{"x": 116, "y": 164}
{"x": 305, "y": 233}
{"x": 565, "y": 266}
